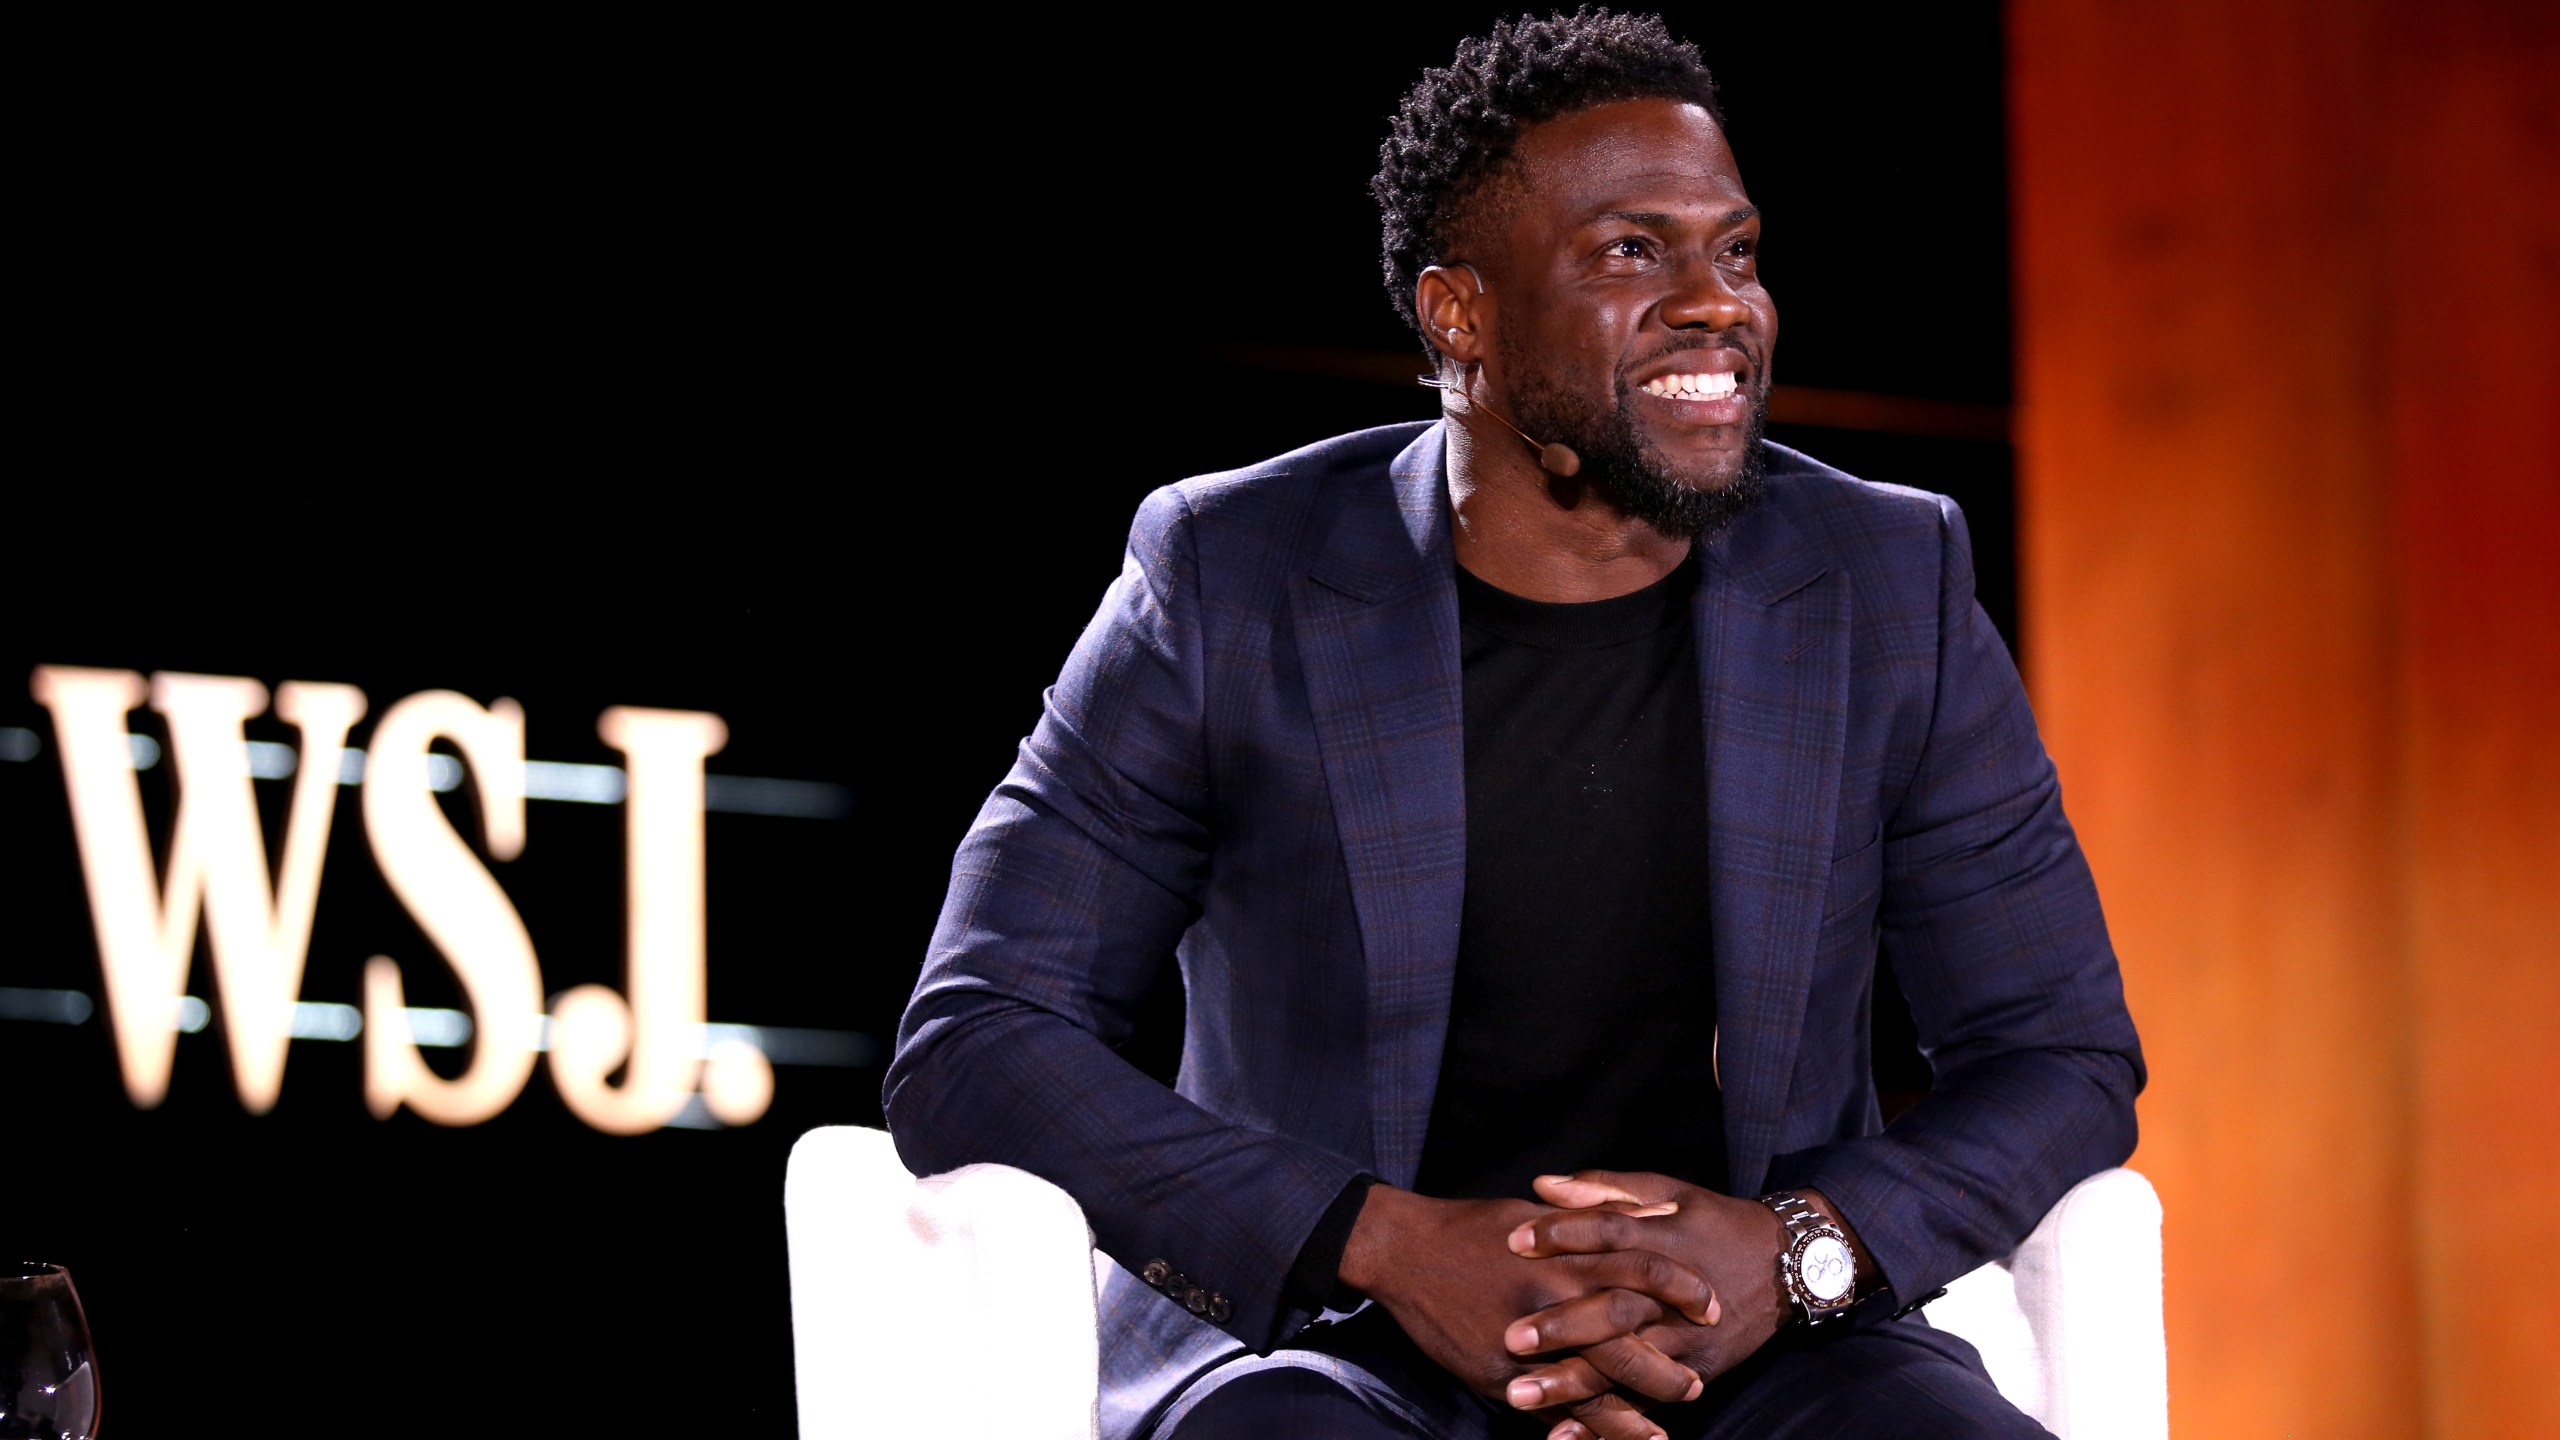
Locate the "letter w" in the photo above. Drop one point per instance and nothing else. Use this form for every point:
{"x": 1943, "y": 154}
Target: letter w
{"x": 260, "y": 929}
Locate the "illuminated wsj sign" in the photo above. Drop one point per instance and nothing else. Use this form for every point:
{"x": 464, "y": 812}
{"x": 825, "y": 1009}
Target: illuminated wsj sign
{"x": 259, "y": 931}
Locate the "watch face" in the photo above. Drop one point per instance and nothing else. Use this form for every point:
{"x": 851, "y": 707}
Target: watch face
{"x": 1827, "y": 1269}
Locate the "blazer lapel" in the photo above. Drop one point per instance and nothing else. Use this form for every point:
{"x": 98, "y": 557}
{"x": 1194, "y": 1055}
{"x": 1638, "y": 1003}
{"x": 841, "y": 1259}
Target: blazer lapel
{"x": 1773, "y": 659}
{"x": 1377, "y": 629}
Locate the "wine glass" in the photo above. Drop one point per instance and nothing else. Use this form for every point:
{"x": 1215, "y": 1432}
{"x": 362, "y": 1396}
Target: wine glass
{"x": 48, "y": 1380}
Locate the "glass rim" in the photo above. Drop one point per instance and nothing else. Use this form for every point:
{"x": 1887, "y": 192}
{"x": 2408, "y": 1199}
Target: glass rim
{"x": 32, "y": 1270}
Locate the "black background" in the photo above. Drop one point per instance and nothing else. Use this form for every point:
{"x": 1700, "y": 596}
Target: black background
{"x": 807, "y": 375}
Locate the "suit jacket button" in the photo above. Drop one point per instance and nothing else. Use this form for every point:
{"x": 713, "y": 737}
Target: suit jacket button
{"x": 1219, "y": 1309}
{"x": 1196, "y": 1300}
{"x": 1156, "y": 1273}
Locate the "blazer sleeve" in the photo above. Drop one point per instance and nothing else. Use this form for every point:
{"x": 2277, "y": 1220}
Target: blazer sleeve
{"x": 1991, "y": 921}
{"x": 1067, "y": 897}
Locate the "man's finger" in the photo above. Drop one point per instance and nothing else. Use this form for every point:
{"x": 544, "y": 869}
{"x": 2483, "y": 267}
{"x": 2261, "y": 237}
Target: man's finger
{"x": 1607, "y": 1232}
{"x": 1568, "y": 1381}
{"x": 1578, "y": 1232}
{"x": 1679, "y": 1287}
{"x": 1635, "y": 1364}
{"x": 1614, "y": 1417}
{"x": 1583, "y": 1320}
{"x": 1585, "y": 1188}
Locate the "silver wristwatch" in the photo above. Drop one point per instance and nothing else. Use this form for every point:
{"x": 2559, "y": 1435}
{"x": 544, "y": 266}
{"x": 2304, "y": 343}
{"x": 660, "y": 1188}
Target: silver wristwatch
{"x": 1817, "y": 1271}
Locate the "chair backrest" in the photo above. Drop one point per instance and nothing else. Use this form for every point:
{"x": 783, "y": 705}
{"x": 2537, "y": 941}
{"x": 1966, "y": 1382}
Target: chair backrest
{"x": 955, "y": 1304}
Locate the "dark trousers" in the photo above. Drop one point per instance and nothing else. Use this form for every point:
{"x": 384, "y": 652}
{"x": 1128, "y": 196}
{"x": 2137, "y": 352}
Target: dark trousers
{"x": 1362, "y": 1379}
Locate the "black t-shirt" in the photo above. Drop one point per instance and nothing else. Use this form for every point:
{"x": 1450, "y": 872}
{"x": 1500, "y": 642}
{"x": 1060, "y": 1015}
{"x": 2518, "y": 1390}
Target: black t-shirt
{"x": 1583, "y": 1019}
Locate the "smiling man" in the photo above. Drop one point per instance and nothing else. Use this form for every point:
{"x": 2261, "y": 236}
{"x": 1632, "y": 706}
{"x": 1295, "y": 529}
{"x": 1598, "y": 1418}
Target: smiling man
{"x": 1526, "y": 798}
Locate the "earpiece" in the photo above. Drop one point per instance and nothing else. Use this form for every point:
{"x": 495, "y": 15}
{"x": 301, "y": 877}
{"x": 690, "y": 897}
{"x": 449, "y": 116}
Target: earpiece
{"x": 1556, "y": 458}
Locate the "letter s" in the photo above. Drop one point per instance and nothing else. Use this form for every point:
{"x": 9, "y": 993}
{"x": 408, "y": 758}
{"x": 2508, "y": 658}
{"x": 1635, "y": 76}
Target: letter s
{"x": 457, "y": 902}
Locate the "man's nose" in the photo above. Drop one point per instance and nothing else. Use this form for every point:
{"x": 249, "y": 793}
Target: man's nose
{"x": 1702, "y": 297}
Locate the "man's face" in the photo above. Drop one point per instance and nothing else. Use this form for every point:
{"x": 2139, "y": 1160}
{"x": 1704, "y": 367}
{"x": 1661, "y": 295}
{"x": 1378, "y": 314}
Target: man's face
{"x": 1633, "y": 326}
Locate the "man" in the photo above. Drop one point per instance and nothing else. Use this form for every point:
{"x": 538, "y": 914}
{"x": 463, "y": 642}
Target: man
{"x": 1525, "y": 798}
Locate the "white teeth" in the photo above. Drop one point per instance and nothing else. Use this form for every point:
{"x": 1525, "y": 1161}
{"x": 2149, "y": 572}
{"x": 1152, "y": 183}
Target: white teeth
{"x": 1713, "y": 386}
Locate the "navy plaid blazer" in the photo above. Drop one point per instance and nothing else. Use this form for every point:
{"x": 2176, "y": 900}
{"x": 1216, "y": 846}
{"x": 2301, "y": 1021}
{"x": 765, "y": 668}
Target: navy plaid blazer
{"x": 1252, "y": 765}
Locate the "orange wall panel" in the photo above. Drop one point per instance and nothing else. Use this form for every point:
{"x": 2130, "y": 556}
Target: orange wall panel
{"x": 2476, "y": 460}
{"x": 2203, "y": 475}
{"x": 2286, "y": 339}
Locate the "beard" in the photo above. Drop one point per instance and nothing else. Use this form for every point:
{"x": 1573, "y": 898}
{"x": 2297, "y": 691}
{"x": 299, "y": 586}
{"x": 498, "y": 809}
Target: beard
{"x": 1629, "y": 472}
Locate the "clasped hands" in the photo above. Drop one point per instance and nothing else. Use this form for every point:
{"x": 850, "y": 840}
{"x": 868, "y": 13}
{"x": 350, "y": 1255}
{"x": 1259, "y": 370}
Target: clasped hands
{"x": 1634, "y": 1288}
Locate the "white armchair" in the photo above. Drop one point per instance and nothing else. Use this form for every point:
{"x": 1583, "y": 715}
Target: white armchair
{"x": 2069, "y": 1326}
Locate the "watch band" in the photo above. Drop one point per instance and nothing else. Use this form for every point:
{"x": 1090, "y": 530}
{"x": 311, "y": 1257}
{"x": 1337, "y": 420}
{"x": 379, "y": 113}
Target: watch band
{"x": 1817, "y": 1271}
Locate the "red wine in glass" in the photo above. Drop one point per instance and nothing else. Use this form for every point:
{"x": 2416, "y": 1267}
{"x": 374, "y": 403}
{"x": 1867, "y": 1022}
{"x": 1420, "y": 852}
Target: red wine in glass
{"x": 48, "y": 1378}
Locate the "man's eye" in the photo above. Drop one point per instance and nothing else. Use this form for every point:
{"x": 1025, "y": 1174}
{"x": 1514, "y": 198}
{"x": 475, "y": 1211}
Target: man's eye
{"x": 1630, "y": 248}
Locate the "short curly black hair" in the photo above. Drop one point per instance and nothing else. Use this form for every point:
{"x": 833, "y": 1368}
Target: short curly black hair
{"x": 1458, "y": 125}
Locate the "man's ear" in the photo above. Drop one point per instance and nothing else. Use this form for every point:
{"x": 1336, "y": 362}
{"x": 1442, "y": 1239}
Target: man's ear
{"x": 1452, "y": 310}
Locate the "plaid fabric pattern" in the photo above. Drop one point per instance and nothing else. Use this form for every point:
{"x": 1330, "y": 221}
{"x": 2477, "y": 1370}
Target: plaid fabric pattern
{"x": 1252, "y": 766}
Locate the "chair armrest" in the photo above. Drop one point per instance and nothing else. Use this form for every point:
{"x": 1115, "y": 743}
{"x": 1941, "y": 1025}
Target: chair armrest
{"x": 2088, "y": 1281}
{"x": 956, "y": 1304}
{"x": 2070, "y": 1326}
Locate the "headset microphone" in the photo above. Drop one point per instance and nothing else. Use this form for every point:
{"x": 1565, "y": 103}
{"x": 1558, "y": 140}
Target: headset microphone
{"x": 1554, "y": 457}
